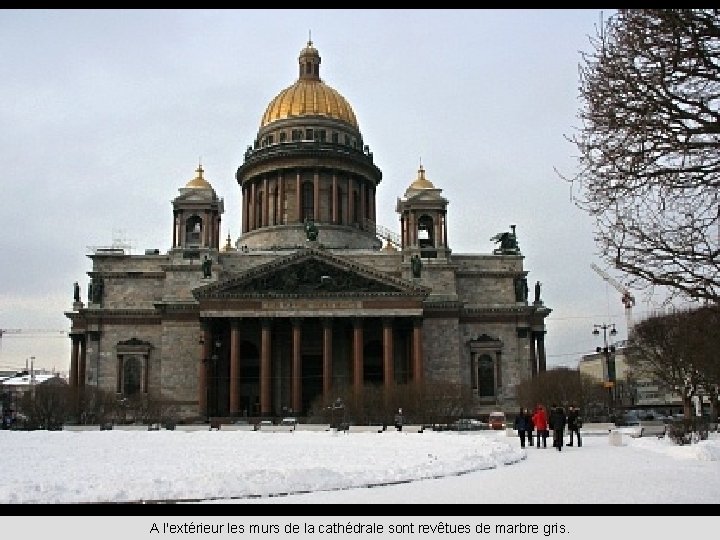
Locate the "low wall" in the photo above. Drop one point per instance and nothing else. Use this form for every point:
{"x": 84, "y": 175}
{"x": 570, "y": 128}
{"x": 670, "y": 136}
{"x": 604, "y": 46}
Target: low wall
{"x": 276, "y": 429}
{"x": 236, "y": 427}
{"x": 312, "y": 427}
{"x": 412, "y": 428}
{"x": 365, "y": 429}
{"x": 597, "y": 428}
{"x": 192, "y": 427}
{"x": 84, "y": 427}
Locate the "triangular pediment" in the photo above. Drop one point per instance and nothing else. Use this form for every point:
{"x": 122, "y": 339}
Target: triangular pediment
{"x": 310, "y": 272}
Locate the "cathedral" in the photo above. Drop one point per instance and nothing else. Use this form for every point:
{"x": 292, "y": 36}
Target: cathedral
{"x": 313, "y": 295}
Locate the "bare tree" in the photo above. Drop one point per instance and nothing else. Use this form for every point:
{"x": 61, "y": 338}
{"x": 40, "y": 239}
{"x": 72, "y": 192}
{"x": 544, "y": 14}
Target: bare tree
{"x": 649, "y": 147}
{"x": 706, "y": 341}
{"x": 46, "y": 405}
{"x": 436, "y": 403}
{"x": 680, "y": 350}
{"x": 560, "y": 385}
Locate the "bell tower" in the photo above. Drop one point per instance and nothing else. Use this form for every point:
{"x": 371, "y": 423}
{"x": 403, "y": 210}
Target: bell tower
{"x": 423, "y": 219}
{"x": 196, "y": 215}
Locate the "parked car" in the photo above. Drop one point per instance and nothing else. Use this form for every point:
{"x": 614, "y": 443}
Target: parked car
{"x": 289, "y": 421}
{"x": 641, "y": 424}
{"x": 497, "y": 420}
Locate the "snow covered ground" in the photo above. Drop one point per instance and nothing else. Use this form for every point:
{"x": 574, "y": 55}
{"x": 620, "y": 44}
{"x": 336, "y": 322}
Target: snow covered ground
{"x": 329, "y": 467}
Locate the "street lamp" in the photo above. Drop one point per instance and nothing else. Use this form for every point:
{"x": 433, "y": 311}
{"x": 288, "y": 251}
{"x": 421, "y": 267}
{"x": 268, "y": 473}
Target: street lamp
{"x": 609, "y": 352}
{"x": 210, "y": 375}
{"x": 32, "y": 377}
{"x": 337, "y": 404}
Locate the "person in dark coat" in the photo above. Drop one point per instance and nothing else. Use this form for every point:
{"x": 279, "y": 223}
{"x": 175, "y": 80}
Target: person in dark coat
{"x": 557, "y": 424}
{"x": 574, "y": 423}
{"x": 529, "y": 426}
{"x": 521, "y": 426}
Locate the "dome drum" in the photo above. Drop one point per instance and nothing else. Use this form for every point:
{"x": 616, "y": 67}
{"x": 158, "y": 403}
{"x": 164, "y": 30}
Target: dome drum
{"x": 314, "y": 155}
{"x": 293, "y": 237}
{"x": 308, "y": 130}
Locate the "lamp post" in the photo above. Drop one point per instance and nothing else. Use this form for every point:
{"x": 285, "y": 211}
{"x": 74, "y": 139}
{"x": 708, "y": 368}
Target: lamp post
{"x": 609, "y": 352}
{"x": 213, "y": 378}
{"x": 32, "y": 378}
{"x": 211, "y": 375}
{"x": 337, "y": 404}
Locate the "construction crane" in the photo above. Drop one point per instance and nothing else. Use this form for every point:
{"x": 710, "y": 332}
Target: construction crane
{"x": 627, "y": 299}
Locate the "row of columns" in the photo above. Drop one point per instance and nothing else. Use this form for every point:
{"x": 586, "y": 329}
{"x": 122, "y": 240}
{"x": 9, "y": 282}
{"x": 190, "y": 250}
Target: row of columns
{"x": 296, "y": 361}
{"x": 274, "y": 192}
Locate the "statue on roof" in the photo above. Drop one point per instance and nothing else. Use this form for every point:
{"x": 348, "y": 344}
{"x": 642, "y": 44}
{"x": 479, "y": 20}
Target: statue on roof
{"x": 416, "y": 265}
{"x": 311, "y": 230}
{"x": 508, "y": 243}
{"x": 207, "y": 267}
{"x": 521, "y": 289}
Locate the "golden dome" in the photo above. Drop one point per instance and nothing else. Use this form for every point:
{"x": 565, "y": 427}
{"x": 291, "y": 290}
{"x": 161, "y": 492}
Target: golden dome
{"x": 198, "y": 181}
{"x": 309, "y": 96}
{"x": 421, "y": 182}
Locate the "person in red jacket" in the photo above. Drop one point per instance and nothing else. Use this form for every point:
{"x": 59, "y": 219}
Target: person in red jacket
{"x": 540, "y": 422}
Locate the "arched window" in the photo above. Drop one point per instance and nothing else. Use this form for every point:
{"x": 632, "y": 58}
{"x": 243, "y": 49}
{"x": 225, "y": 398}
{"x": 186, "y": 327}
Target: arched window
{"x": 425, "y": 232}
{"x": 339, "y": 204}
{"x": 308, "y": 201}
{"x": 356, "y": 207}
{"x": 368, "y": 197}
{"x": 259, "y": 210}
{"x": 486, "y": 376}
{"x": 193, "y": 230}
{"x": 276, "y": 207}
{"x": 132, "y": 376}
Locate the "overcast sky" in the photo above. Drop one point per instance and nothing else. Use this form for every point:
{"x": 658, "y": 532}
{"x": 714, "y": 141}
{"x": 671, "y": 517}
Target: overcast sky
{"x": 105, "y": 115}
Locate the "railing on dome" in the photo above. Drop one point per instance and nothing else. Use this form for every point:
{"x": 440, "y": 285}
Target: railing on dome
{"x": 280, "y": 148}
{"x": 382, "y": 232}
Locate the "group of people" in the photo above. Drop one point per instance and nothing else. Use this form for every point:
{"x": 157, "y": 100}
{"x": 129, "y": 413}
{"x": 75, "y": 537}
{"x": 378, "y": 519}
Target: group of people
{"x": 541, "y": 422}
